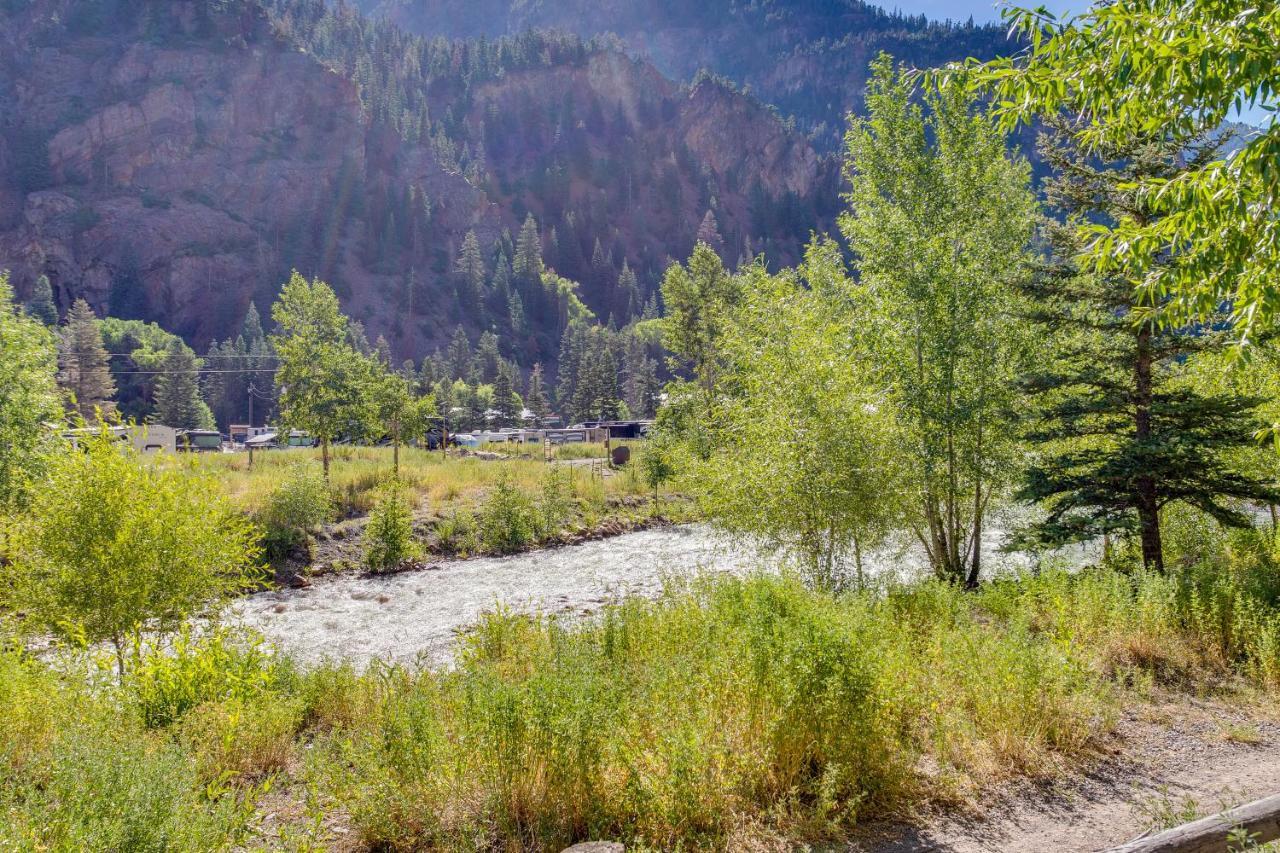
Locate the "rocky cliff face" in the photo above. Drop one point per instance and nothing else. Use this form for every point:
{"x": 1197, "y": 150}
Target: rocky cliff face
{"x": 171, "y": 160}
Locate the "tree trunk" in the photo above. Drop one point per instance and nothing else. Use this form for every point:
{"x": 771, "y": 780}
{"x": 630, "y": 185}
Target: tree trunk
{"x": 118, "y": 642}
{"x": 324, "y": 457}
{"x": 1148, "y": 499}
{"x": 975, "y": 566}
{"x": 395, "y": 455}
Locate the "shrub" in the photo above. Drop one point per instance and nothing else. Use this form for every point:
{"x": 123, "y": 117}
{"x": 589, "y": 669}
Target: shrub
{"x": 555, "y": 505}
{"x": 507, "y": 522}
{"x": 389, "y": 535}
{"x": 167, "y": 683}
{"x": 113, "y": 546}
{"x": 297, "y": 506}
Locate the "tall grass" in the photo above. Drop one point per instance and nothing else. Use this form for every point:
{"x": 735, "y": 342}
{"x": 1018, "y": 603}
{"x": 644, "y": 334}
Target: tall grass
{"x": 724, "y": 708}
{"x": 358, "y": 473}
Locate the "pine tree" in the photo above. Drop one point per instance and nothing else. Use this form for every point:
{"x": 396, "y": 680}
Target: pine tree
{"x": 178, "y": 402}
{"x": 528, "y": 263}
{"x": 251, "y": 329}
{"x": 84, "y": 364}
{"x": 570, "y": 361}
{"x": 1118, "y": 439}
{"x": 488, "y": 358}
{"x": 505, "y": 401}
{"x": 40, "y": 305}
{"x": 535, "y": 399}
{"x": 459, "y": 360}
{"x": 709, "y": 233}
{"x": 472, "y": 269}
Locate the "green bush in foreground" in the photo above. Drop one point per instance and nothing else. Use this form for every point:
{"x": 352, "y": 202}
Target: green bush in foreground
{"x": 724, "y": 708}
{"x": 114, "y": 546}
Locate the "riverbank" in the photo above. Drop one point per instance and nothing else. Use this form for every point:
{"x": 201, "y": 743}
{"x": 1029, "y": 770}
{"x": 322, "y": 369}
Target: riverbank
{"x": 721, "y": 711}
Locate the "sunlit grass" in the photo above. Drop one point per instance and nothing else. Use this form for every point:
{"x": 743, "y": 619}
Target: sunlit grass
{"x": 726, "y": 708}
{"x": 436, "y": 482}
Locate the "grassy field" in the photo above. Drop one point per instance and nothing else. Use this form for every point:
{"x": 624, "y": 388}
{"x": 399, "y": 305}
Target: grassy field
{"x": 435, "y": 481}
{"x": 729, "y": 714}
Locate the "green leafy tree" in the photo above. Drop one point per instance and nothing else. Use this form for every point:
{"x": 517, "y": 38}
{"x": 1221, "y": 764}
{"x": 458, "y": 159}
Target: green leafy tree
{"x": 178, "y": 400}
{"x": 402, "y": 414}
{"x": 84, "y": 366}
{"x": 29, "y": 397}
{"x": 325, "y": 382}
{"x": 1130, "y": 69}
{"x": 1118, "y": 434}
{"x": 939, "y": 219}
{"x": 808, "y": 459}
{"x": 113, "y": 548}
{"x": 698, "y": 297}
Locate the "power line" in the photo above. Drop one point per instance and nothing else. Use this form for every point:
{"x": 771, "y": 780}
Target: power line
{"x": 132, "y": 354}
{"x": 188, "y": 372}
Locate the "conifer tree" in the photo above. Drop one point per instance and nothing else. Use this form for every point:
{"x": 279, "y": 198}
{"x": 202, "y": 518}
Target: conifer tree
{"x": 459, "y": 360}
{"x": 1118, "y": 438}
{"x": 472, "y": 269}
{"x": 709, "y": 233}
{"x": 178, "y": 402}
{"x": 40, "y": 305}
{"x": 505, "y": 401}
{"x": 535, "y": 399}
{"x": 528, "y": 262}
{"x": 84, "y": 364}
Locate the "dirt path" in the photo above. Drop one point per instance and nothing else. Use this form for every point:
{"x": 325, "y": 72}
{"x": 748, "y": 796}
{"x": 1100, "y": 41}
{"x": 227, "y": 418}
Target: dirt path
{"x": 1172, "y": 761}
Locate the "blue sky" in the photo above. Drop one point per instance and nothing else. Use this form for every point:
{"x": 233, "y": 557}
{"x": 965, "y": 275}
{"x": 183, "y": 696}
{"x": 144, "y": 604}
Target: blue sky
{"x": 986, "y": 10}
{"x": 981, "y": 10}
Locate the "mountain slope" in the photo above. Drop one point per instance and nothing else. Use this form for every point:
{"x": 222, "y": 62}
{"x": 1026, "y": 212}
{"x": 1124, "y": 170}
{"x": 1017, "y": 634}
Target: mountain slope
{"x": 809, "y": 58}
{"x": 172, "y": 161}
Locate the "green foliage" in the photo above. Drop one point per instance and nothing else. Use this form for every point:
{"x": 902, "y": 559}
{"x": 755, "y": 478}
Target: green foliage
{"x": 301, "y": 503}
{"x": 179, "y": 402}
{"x": 698, "y": 298}
{"x": 1131, "y": 70}
{"x": 555, "y": 503}
{"x": 166, "y": 684}
{"x": 28, "y": 397}
{"x": 507, "y": 522}
{"x": 940, "y": 219}
{"x": 325, "y": 382}
{"x": 80, "y": 772}
{"x": 657, "y": 461}
{"x": 83, "y": 364}
{"x": 41, "y": 305}
{"x": 389, "y": 538}
{"x": 1118, "y": 432}
{"x": 112, "y": 547}
{"x": 813, "y": 467}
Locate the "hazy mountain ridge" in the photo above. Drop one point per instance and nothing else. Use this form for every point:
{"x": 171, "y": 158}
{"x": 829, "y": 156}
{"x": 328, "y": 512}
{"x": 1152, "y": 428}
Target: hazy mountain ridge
{"x": 173, "y": 160}
{"x": 809, "y": 58}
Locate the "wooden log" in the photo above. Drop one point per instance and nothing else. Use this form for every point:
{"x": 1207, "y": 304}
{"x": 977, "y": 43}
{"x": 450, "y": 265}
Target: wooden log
{"x": 1260, "y": 819}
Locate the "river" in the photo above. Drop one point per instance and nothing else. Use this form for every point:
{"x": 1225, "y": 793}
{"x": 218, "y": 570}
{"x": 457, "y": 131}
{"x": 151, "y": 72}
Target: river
{"x": 414, "y": 617}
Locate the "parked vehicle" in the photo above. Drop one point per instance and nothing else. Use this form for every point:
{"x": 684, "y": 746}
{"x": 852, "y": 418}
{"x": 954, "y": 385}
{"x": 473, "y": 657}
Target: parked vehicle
{"x": 199, "y": 441}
